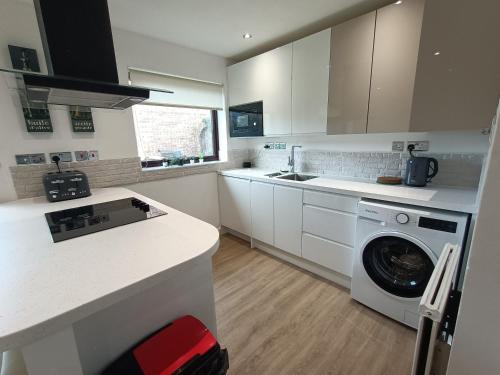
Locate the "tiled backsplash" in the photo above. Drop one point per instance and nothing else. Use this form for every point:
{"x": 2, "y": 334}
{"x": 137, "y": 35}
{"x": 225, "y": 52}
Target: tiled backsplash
{"x": 112, "y": 172}
{"x": 101, "y": 173}
{"x": 455, "y": 169}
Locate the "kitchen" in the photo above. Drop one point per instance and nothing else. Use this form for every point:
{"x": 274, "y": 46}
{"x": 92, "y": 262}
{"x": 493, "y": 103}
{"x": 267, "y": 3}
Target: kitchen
{"x": 323, "y": 256}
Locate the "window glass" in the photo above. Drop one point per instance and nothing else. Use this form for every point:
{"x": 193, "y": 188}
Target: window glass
{"x": 175, "y": 132}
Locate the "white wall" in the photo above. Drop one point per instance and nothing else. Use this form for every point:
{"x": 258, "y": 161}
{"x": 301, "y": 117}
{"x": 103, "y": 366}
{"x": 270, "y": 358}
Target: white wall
{"x": 114, "y": 136}
{"x": 476, "y": 345}
{"x": 460, "y": 142}
{"x": 196, "y": 194}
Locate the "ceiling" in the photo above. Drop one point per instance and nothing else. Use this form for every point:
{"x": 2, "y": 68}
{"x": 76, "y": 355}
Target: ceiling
{"x": 217, "y": 26}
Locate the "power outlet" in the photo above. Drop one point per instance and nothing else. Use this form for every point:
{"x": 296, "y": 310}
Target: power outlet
{"x": 37, "y": 158}
{"x": 65, "y": 157}
{"x": 81, "y": 155}
{"x": 30, "y": 159}
{"x": 398, "y": 146}
{"x": 419, "y": 145}
{"x": 93, "y": 155}
{"x": 23, "y": 159}
{"x": 269, "y": 145}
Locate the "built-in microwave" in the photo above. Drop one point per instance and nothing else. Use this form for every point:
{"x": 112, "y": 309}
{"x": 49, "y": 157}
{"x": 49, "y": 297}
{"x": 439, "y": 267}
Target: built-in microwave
{"x": 246, "y": 120}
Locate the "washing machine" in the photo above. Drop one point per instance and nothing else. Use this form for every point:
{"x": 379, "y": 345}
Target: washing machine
{"x": 397, "y": 247}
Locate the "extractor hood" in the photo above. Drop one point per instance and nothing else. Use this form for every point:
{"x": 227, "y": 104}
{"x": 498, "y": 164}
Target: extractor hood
{"x": 78, "y": 45}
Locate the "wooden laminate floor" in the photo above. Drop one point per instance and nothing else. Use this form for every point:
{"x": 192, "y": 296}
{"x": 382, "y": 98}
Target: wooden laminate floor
{"x": 277, "y": 319}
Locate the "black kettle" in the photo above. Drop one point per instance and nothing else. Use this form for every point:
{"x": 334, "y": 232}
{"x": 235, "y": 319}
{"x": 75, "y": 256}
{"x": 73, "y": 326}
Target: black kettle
{"x": 420, "y": 170}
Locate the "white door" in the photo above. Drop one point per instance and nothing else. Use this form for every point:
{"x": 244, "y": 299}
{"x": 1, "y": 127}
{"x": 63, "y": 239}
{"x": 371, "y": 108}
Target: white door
{"x": 262, "y": 208}
{"x": 234, "y": 198}
{"x": 288, "y": 219}
{"x": 310, "y": 72}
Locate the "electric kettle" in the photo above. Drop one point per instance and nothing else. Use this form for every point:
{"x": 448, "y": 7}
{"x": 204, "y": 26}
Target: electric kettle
{"x": 420, "y": 170}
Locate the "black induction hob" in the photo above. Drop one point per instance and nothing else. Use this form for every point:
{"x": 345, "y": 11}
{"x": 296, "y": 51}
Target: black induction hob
{"x": 79, "y": 221}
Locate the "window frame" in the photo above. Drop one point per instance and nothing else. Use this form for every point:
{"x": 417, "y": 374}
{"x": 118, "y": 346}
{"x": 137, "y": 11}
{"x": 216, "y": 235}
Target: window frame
{"x": 215, "y": 138}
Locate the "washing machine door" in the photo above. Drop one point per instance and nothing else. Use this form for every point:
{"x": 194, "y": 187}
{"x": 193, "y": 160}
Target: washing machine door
{"x": 398, "y": 264}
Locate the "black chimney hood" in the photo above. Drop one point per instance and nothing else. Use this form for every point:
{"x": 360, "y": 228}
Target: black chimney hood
{"x": 78, "y": 45}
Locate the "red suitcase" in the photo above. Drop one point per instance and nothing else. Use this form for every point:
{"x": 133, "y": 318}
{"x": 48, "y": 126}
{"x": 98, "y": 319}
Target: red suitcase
{"x": 184, "y": 347}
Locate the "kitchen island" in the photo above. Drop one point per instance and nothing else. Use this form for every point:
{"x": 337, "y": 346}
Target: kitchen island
{"x": 74, "y": 306}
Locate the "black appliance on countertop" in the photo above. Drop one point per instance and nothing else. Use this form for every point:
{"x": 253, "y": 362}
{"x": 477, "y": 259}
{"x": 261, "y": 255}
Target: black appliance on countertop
{"x": 62, "y": 186}
{"x": 419, "y": 170}
{"x": 79, "y": 221}
{"x": 246, "y": 120}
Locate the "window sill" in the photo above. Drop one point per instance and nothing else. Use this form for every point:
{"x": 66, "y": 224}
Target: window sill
{"x": 181, "y": 167}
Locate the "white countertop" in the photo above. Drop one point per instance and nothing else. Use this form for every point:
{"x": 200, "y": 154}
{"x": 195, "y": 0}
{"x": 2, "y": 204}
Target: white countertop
{"x": 441, "y": 197}
{"x": 47, "y": 286}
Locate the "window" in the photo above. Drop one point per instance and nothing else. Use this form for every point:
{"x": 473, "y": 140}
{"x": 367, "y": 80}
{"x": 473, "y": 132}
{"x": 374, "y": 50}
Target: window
{"x": 180, "y": 124}
{"x": 176, "y": 133}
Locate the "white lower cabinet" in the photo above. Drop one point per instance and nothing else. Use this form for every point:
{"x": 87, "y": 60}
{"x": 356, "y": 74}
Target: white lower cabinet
{"x": 262, "y": 209}
{"x": 317, "y": 226}
{"x": 332, "y": 225}
{"x": 288, "y": 219}
{"x": 329, "y": 254}
{"x": 234, "y": 198}
{"x": 329, "y": 230}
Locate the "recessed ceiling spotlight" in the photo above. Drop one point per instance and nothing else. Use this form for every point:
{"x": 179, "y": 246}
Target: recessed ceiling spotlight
{"x": 437, "y": 53}
{"x": 247, "y": 36}
{"x": 398, "y": 2}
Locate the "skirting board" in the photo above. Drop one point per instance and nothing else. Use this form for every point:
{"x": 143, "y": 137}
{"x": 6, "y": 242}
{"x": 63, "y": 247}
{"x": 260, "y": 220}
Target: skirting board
{"x": 244, "y": 237}
{"x": 337, "y": 278}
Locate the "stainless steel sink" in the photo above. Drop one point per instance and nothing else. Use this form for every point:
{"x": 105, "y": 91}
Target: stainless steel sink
{"x": 275, "y": 174}
{"x": 296, "y": 177}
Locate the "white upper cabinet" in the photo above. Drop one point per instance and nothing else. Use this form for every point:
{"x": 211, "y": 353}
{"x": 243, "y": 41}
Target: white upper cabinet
{"x": 262, "y": 208}
{"x": 265, "y": 77}
{"x": 234, "y": 198}
{"x": 413, "y": 65}
{"x": 243, "y": 83}
{"x": 395, "y": 53}
{"x": 350, "y": 72}
{"x": 458, "y": 74}
{"x": 310, "y": 72}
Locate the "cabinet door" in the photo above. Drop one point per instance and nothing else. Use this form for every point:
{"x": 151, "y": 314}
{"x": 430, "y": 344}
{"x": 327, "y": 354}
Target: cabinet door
{"x": 458, "y": 73}
{"x": 288, "y": 219}
{"x": 350, "y": 73}
{"x": 332, "y": 225}
{"x": 310, "y": 72}
{"x": 262, "y": 208}
{"x": 234, "y": 198}
{"x": 242, "y": 83}
{"x": 395, "y": 52}
{"x": 266, "y": 77}
{"x": 327, "y": 253}
{"x": 274, "y": 70}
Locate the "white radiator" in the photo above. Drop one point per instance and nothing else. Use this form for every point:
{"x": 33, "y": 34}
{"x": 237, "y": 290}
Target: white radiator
{"x": 433, "y": 343}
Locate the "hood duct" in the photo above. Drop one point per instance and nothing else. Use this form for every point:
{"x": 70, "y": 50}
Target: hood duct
{"x": 78, "y": 46}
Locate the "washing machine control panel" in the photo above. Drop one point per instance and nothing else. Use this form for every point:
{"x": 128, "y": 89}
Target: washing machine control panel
{"x": 388, "y": 216}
